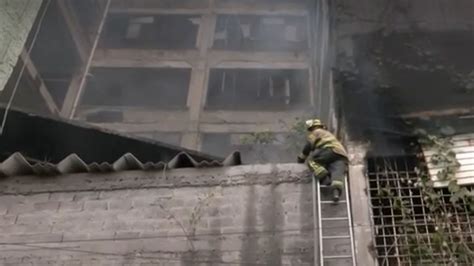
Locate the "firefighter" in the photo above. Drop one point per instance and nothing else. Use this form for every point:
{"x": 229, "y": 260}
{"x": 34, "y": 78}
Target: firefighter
{"x": 325, "y": 156}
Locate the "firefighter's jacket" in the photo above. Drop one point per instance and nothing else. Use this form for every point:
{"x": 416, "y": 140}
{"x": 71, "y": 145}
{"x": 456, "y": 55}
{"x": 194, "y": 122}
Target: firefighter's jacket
{"x": 320, "y": 139}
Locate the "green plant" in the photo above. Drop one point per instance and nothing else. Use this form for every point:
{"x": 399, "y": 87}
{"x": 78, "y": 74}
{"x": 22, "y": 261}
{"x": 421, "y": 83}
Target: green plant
{"x": 447, "y": 240}
{"x": 264, "y": 137}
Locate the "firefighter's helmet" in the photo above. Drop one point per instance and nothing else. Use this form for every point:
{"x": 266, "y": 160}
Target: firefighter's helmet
{"x": 313, "y": 123}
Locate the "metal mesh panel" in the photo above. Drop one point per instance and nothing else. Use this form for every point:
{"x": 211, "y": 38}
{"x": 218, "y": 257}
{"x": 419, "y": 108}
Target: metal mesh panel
{"x": 394, "y": 244}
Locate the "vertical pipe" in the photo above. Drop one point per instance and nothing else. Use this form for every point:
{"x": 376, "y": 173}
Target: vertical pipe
{"x": 89, "y": 60}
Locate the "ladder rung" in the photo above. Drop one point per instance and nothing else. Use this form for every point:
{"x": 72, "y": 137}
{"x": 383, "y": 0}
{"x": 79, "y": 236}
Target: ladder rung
{"x": 332, "y": 202}
{"x": 335, "y": 257}
{"x": 336, "y": 237}
{"x": 335, "y": 219}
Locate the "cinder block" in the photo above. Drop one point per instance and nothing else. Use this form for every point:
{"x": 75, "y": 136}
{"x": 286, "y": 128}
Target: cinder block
{"x": 46, "y": 206}
{"x": 120, "y": 204}
{"x": 3, "y": 210}
{"x": 95, "y": 205}
{"x": 117, "y": 226}
{"x": 20, "y": 208}
{"x": 89, "y": 195}
{"x": 34, "y": 219}
{"x": 67, "y": 206}
{"x": 7, "y": 219}
{"x": 62, "y": 196}
{"x": 116, "y": 194}
{"x": 41, "y": 197}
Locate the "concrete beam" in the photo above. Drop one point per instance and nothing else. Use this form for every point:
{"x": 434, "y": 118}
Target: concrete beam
{"x": 43, "y": 90}
{"x": 241, "y": 128}
{"x": 290, "y": 8}
{"x": 145, "y": 58}
{"x": 251, "y": 116}
{"x": 140, "y": 120}
{"x": 75, "y": 29}
{"x": 361, "y": 213}
{"x": 170, "y": 127}
{"x": 188, "y": 58}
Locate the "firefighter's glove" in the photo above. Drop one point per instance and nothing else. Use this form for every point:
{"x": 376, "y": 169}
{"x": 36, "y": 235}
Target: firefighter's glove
{"x": 300, "y": 160}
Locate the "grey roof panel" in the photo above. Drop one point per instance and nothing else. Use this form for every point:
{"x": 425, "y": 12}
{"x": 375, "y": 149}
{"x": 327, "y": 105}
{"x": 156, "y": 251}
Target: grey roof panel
{"x": 18, "y": 165}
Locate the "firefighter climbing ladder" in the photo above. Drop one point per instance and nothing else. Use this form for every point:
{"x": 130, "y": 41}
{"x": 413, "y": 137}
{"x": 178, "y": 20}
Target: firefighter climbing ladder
{"x": 334, "y": 224}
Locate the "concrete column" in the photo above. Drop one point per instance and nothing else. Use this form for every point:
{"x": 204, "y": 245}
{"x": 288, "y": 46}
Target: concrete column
{"x": 361, "y": 219}
{"x": 199, "y": 80}
{"x": 16, "y": 19}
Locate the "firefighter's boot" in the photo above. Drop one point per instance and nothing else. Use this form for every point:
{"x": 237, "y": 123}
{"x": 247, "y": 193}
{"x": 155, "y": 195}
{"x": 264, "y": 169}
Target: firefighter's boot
{"x": 336, "y": 187}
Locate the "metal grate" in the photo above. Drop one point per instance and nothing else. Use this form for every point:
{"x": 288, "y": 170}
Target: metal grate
{"x": 393, "y": 244}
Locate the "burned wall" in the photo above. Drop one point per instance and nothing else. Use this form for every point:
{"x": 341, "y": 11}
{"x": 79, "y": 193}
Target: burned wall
{"x": 239, "y": 215}
{"x": 398, "y": 59}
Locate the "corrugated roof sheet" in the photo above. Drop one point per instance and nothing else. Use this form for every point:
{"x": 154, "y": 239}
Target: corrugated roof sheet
{"x": 18, "y": 165}
{"x": 464, "y": 149}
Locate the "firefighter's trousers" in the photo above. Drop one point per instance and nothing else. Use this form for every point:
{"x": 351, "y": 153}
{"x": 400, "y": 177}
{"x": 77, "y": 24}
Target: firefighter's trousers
{"x": 329, "y": 167}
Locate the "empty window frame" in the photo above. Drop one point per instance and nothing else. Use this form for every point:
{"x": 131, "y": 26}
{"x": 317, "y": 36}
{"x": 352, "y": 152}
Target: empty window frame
{"x": 257, "y": 89}
{"x": 261, "y": 33}
{"x": 160, "y": 88}
{"x": 151, "y": 31}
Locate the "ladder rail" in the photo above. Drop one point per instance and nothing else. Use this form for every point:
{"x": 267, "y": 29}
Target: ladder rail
{"x": 349, "y": 216}
{"x": 315, "y": 214}
{"x": 320, "y": 225}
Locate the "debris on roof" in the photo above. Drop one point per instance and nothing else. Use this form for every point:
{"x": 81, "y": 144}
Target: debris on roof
{"x": 19, "y": 165}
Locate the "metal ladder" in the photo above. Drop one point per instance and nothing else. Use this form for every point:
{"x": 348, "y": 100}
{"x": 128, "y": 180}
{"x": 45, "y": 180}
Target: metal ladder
{"x": 335, "y": 232}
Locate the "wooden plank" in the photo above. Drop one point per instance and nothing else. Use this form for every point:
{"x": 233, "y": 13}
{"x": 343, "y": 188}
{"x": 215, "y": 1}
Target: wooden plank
{"x": 464, "y": 137}
{"x": 461, "y": 182}
{"x": 463, "y": 146}
{"x": 459, "y": 156}
{"x": 468, "y": 174}
{"x": 457, "y": 150}
{"x": 462, "y": 169}
{"x": 461, "y": 161}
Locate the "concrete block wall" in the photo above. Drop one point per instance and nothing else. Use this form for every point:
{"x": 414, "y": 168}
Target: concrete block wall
{"x": 247, "y": 214}
{"x": 16, "y": 20}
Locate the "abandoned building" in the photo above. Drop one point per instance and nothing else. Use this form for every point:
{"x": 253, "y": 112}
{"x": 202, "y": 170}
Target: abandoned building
{"x": 121, "y": 118}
